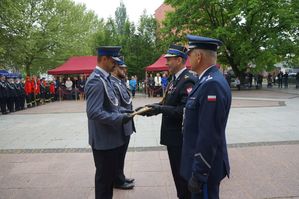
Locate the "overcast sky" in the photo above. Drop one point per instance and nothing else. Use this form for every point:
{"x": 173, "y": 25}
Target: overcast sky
{"x": 105, "y": 9}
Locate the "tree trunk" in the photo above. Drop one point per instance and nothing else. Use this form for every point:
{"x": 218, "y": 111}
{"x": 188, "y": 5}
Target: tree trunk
{"x": 27, "y": 68}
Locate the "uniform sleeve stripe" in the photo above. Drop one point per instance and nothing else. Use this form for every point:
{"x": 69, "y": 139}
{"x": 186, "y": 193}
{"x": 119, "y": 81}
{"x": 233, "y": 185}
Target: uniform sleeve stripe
{"x": 202, "y": 158}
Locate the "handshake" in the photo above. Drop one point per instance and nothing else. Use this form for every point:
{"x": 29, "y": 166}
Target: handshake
{"x": 147, "y": 110}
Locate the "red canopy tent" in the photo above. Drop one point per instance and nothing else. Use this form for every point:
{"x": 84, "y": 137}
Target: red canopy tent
{"x": 76, "y": 65}
{"x": 160, "y": 65}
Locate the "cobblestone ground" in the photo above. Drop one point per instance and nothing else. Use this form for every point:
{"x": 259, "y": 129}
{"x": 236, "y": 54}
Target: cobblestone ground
{"x": 44, "y": 151}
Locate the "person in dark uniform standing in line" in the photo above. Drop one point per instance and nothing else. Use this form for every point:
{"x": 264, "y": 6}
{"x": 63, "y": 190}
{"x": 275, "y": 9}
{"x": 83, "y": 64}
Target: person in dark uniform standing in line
{"x": 81, "y": 84}
{"x": 118, "y": 78}
{"x": 23, "y": 94}
{"x": 18, "y": 97}
{"x": 57, "y": 85}
{"x": 172, "y": 107}
{"x": 286, "y": 80}
{"x": 204, "y": 155}
{"x": 3, "y": 94}
{"x": 12, "y": 94}
{"x": 105, "y": 121}
{"x": 280, "y": 78}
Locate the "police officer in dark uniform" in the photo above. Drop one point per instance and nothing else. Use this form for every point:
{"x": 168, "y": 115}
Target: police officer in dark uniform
{"x": 12, "y": 94}
{"x": 172, "y": 107}
{"x": 125, "y": 101}
{"x": 18, "y": 98}
{"x": 23, "y": 95}
{"x": 3, "y": 94}
{"x": 105, "y": 121}
{"x": 204, "y": 155}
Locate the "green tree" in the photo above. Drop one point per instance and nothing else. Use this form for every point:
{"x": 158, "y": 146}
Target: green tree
{"x": 40, "y": 34}
{"x": 121, "y": 18}
{"x": 140, "y": 47}
{"x": 254, "y": 32}
{"x": 138, "y": 44}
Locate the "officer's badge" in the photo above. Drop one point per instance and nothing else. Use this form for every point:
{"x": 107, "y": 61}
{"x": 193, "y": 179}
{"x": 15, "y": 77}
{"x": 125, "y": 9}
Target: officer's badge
{"x": 186, "y": 76}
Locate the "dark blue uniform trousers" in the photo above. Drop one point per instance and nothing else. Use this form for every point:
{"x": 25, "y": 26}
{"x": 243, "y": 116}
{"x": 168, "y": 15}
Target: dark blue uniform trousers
{"x": 120, "y": 176}
{"x": 211, "y": 192}
{"x": 106, "y": 162}
{"x": 174, "y": 154}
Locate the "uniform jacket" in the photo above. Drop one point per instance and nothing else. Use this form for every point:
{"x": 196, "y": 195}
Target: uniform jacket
{"x": 125, "y": 100}
{"x": 204, "y": 151}
{"x": 3, "y": 89}
{"x": 19, "y": 89}
{"x": 104, "y": 117}
{"x": 172, "y": 117}
{"x": 11, "y": 89}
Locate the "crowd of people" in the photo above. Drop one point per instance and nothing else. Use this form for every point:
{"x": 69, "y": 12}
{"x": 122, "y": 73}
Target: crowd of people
{"x": 17, "y": 93}
{"x": 250, "y": 80}
{"x": 12, "y": 94}
{"x": 281, "y": 79}
{"x": 156, "y": 85}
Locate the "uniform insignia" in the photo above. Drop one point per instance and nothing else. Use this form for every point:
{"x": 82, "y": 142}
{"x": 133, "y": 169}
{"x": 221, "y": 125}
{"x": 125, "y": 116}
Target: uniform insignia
{"x": 171, "y": 87}
{"x": 186, "y": 76}
{"x": 212, "y": 98}
{"x": 202, "y": 79}
{"x": 96, "y": 74}
{"x": 209, "y": 77}
{"x": 189, "y": 90}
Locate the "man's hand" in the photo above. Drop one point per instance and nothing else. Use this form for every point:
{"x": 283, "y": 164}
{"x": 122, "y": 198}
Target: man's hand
{"x": 194, "y": 185}
{"x": 137, "y": 109}
{"x": 155, "y": 109}
{"x": 126, "y": 118}
{"x": 147, "y": 113}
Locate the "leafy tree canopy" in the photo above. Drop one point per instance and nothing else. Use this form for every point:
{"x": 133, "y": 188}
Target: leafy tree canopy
{"x": 255, "y": 32}
{"x": 39, "y": 34}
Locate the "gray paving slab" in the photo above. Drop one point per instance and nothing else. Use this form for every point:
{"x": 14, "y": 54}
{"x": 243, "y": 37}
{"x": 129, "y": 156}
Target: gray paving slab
{"x": 258, "y": 172}
{"x": 257, "y": 116}
{"x": 44, "y": 151}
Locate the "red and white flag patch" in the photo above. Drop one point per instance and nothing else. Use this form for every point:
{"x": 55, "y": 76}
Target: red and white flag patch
{"x": 212, "y": 98}
{"x": 189, "y": 90}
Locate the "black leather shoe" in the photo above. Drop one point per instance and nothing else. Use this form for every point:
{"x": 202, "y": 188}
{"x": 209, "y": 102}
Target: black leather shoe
{"x": 125, "y": 186}
{"x": 129, "y": 180}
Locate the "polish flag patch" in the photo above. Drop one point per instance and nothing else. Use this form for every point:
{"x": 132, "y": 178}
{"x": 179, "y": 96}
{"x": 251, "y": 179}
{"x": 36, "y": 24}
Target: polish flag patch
{"x": 189, "y": 90}
{"x": 212, "y": 98}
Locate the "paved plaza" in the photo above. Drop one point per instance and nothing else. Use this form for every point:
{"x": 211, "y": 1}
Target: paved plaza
{"x": 44, "y": 151}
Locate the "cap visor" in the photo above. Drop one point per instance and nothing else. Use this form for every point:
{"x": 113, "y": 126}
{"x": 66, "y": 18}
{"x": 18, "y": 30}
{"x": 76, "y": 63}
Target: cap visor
{"x": 116, "y": 58}
{"x": 170, "y": 55}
